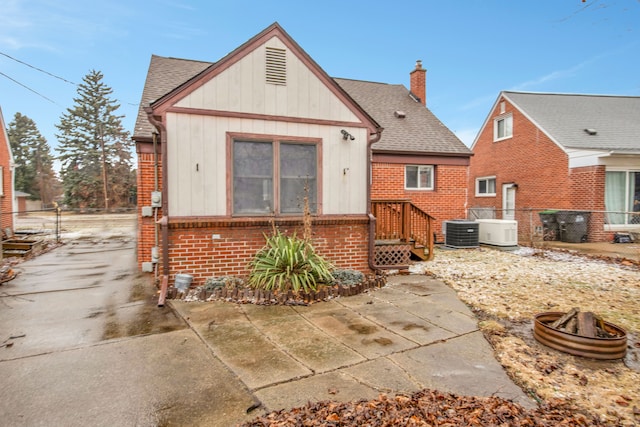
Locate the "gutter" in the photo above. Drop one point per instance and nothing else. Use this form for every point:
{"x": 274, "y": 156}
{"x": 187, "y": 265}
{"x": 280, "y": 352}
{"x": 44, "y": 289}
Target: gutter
{"x": 164, "y": 221}
{"x": 372, "y": 220}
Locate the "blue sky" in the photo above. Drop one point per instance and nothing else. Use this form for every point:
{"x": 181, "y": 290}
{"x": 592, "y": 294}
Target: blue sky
{"x": 472, "y": 49}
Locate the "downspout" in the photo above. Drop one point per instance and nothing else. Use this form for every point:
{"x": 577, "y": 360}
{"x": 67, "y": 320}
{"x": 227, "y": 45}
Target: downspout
{"x": 155, "y": 188}
{"x": 164, "y": 221}
{"x": 372, "y": 220}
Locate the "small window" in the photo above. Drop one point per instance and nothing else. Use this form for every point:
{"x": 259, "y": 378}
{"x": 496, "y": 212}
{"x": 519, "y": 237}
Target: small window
{"x": 503, "y": 128}
{"x": 418, "y": 178}
{"x": 486, "y": 186}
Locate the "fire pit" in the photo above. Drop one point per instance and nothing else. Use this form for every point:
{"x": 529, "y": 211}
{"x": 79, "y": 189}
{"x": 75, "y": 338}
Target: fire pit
{"x": 605, "y": 341}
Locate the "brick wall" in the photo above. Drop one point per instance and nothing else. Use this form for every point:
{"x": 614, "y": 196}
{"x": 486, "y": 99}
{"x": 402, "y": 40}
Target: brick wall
{"x": 146, "y": 225}
{"x": 214, "y": 248}
{"x": 587, "y": 194}
{"x": 447, "y": 201}
{"x": 6, "y": 203}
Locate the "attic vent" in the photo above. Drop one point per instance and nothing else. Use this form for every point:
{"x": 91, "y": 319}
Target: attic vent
{"x": 276, "y": 66}
{"x": 591, "y": 131}
{"x": 400, "y": 114}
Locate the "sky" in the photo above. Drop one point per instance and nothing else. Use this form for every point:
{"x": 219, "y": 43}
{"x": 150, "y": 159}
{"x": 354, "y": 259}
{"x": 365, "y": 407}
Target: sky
{"x": 472, "y": 49}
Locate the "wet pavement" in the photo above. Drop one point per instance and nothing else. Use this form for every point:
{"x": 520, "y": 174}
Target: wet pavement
{"x": 81, "y": 346}
{"x": 82, "y": 342}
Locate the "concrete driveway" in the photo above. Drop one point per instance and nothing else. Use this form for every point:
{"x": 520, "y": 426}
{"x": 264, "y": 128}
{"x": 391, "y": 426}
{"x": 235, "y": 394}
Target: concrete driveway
{"x": 81, "y": 345}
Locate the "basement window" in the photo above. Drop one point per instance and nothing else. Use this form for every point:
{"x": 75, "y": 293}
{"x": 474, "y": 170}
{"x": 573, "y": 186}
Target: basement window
{"x": 276, "y": 66}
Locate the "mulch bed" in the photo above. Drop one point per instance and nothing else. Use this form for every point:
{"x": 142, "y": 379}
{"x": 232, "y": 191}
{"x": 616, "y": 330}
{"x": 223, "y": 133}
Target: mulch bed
{"x": 427, "y": 408}
{"x": 246, "y": 295}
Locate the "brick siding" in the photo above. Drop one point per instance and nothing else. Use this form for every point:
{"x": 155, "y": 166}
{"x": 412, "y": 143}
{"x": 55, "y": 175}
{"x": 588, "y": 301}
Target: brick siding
{"x": 447, "y": 201}
{"x": 540, "y": 168}
{"x": 214, "y": 248}
{"x": 6, "y": 202}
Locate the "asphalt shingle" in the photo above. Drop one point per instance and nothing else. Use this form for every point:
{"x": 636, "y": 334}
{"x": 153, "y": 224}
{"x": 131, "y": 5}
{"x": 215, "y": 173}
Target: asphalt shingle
{"x": 565, "y": 117}
{"x": 419, "y": 131}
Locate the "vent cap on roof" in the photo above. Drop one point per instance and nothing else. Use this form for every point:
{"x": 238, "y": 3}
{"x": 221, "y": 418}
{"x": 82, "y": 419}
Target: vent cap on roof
{"x": 400, "y": 114}
{"x": 591, "y": 131}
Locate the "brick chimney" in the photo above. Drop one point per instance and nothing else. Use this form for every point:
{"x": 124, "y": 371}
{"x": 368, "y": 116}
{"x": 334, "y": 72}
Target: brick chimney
{"x": 419, "y": 82}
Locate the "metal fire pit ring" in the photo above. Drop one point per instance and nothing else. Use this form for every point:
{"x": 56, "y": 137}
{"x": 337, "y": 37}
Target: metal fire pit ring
{"x": 596, "y": 348}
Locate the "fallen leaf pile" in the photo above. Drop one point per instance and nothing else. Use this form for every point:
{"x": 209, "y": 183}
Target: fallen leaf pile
{"x": 427, "y": 408}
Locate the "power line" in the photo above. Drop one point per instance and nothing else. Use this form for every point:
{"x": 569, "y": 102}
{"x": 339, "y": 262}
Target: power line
{"x": 28, "y": 88}
{"x": 36, "y": 68}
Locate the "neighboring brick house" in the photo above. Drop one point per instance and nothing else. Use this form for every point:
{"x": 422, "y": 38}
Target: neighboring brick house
{"x": 206, "y": 195}
{"x": 559, "y": 151}
{"x": 6, "y": 179}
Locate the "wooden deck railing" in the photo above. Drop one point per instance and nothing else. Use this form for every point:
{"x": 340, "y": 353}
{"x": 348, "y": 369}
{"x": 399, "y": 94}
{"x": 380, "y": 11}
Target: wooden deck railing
{"x": 402, "y": 220}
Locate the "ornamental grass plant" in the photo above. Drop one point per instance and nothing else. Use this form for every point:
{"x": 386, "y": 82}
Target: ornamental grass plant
{"x": 288, "y": 263}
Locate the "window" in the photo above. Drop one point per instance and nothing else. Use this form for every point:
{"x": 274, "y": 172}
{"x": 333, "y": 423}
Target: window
{"x": 418, "y": 177}
{"x": 503, "y": 127}
{"x": 273, "y": 177}
{"x": 622, "y": 194}
{"x": 486, "y": 186}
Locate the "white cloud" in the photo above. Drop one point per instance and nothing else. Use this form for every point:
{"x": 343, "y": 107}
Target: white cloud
{"x": 554, "y": 75}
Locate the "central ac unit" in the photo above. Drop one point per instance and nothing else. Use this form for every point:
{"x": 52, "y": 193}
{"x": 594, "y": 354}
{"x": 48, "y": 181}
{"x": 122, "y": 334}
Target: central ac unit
{"x": 498, "y": 232}
{"x": 460, "y": 233}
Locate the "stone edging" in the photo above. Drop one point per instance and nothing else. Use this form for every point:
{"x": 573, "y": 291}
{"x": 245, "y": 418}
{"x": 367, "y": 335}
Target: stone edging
{"x": 245, "y": 295}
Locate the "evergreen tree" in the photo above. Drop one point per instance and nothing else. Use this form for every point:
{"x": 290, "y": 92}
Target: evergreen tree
{"x": 34, "y": 172}
{"x": 95, "y": 150}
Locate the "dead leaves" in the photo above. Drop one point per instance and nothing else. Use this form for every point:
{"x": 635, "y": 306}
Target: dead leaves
{"x": 427, "y": 408}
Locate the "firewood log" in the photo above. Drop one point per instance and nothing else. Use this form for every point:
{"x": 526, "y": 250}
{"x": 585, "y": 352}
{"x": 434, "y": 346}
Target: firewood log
{"x": 564, "y": 319}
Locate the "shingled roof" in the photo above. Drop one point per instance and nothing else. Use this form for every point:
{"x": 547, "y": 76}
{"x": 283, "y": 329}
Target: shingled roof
{"x": 586, "y": 122}
{"x": 164, "y": 75}
{"x": 419, "y": 131}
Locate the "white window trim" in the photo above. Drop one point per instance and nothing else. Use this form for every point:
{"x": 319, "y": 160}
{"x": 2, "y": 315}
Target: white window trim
{"x": 495, "y": 127}
{"x": 431, "y": 172}
{"x": 622, "y": 227}
{"x": 484, "y": 178}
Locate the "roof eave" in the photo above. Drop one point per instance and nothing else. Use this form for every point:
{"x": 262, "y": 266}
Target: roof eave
{"x": 422, "y": 153}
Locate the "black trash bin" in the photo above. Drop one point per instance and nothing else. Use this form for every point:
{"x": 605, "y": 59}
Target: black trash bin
{"x": 549, "y": 225}
{"x": 573, "y": 226}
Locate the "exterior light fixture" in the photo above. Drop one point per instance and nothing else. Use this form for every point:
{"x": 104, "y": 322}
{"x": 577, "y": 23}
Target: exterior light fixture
{"x": 346, "y": 135}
